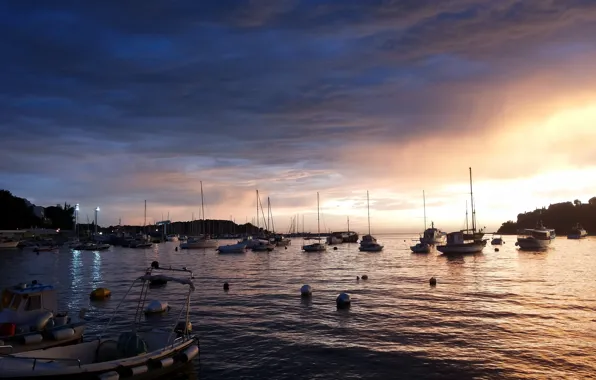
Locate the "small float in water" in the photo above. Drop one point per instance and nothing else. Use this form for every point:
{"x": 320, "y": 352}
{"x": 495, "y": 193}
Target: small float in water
{"x": 156, "y": 307}
{"x": 30, "y": 320}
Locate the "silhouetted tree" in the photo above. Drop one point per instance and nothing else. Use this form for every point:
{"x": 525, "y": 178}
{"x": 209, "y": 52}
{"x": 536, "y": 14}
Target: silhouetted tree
{"x": 16, "y": 213}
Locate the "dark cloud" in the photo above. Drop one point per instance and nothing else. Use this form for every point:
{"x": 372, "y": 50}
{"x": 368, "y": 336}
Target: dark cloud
{"x": 150, "y": 98}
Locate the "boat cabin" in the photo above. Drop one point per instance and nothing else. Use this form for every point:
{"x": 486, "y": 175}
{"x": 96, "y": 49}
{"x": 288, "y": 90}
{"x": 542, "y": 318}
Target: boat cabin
{"x": 456, "y": 238}
{"x": 530, "y": 233}
{"x": 25, "y": 303}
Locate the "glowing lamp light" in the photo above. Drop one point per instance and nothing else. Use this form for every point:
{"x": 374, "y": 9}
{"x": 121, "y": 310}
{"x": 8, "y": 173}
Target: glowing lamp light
{"x": 77, "y": 207}
{"x": 97, "y": 208}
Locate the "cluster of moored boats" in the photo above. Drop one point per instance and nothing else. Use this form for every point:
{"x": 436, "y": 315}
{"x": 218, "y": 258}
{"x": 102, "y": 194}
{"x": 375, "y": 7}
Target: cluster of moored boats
{"x": 39, "y": 341}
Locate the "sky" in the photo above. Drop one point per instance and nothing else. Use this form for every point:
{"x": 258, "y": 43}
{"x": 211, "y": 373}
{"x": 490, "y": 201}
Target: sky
{"x": 113, "y": 103}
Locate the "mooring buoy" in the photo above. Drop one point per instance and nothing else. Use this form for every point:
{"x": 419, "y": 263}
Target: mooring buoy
{"x": 226, "y": 286}
{"x": 432, "y": 281}
{"x": 343, "y": 301}
{"x": 305, "y": 291}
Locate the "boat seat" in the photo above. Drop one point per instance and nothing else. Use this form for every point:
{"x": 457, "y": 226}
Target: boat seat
{"x": 106, "y": 351}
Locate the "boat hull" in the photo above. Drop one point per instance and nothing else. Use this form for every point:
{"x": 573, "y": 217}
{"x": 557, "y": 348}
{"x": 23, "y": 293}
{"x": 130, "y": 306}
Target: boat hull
{"x": 461, "y": 248}
{"x": 420, "y": 248}
{"x": 314, "y": 248}
{"x": 9, "y": 244}
{"x": 538, "y": 244}
{"x": 148, "y": 366}
{"x": 16, "y": 341}
{"x": 233, "y": 248}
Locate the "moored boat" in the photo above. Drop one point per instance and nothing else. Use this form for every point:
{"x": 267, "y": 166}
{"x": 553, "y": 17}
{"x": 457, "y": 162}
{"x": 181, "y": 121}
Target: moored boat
{"x": 30, "y": 320}
{"x": 232, "y": 248}
{"x": 457, "y": 244}
{"x": 318, "y": 246}
{"x": 533, "y": 239}
{"x": 138, "y": 353}
{"x": 577, "y": 232}
{"x": 497, "y": 240}
{"x": 200, "y": 242}
{"x": 421, "y": 248}
{"x": 263, "y": 246}
{"x": 368, "y": 242}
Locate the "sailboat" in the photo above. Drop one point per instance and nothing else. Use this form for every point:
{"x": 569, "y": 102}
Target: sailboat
{"x": 278, "y": 239}
{"x": 368, "y": 242}
{"x": 203, "y": 241}
{"x": 468, "y": 240}
{"x": 261, "y": 244}
{"x": 316, "y": 247}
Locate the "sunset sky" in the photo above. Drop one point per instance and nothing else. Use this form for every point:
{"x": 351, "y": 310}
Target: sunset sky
{"x": 111, "y": 103}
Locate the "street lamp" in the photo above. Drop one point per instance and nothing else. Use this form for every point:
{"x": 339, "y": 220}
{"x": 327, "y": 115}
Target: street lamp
{"x": 96, "y": 211}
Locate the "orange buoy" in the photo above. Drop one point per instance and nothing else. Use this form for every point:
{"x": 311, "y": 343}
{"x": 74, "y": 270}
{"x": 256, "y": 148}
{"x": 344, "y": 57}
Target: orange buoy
{"x": 100, "y": 294}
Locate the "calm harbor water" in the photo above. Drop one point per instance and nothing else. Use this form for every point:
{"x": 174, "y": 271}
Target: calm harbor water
{"x": 508, "y": 314}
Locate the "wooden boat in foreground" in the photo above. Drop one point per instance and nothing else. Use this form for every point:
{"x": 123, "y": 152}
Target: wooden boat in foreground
{"x": 139, "y": 353}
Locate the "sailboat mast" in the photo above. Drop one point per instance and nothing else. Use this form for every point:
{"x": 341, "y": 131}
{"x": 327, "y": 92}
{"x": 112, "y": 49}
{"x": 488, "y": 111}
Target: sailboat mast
{"x": 472, "y": 203}
{"x": 318, "y": 218}
{"x": 424, "y": 206}
{"x": 145, "y": 219}
{"x": 467, "y": 228}
{"x": 202, "y": 209}
{"x": 368, "y": 210}
{"x": 257, "y": 211}
{"x": 348, "y": 224}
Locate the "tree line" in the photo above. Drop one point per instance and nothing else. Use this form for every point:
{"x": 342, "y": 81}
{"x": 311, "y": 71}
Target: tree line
{"x": 19, "y": 213}
{"x": 560, "y": 216}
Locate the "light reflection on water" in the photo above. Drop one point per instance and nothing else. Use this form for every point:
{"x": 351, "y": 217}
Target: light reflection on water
{"x": 507, "y": 314}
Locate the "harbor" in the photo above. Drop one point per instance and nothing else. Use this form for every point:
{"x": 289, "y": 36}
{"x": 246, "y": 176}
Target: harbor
{"x": 261, "y": 326}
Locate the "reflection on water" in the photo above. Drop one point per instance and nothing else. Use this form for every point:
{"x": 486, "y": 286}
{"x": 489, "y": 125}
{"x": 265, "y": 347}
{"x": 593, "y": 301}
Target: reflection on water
{"x": 507, "y": 314}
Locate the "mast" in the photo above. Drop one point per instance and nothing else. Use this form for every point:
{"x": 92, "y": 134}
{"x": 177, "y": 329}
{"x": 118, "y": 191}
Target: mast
{"x": 424, "y": 205}
{"x": 472, "y": 203}
{"x": 203, "y": 212}
{"x": 268, "y": 212}
{"x": 318, "y": 224}
{"x": 145, "y": 219}
{"x": 348, "y": 225}
{"x": 368, "y": 210}
{"x": 467, "y": 229}
{"x": 257, "y": 211}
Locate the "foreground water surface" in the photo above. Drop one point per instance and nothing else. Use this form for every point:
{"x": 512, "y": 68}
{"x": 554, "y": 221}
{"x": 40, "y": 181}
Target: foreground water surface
{"x": 507, "y": 314}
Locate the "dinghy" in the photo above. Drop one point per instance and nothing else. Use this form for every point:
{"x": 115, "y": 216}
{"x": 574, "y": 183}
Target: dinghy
{"x": 138, "y": 353}
{"x": 30, "y": 319}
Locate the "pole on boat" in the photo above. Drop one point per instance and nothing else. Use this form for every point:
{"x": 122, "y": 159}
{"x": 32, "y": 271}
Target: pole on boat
{"x": 424, "y": 206}
{"x": 368, "y": 210}
{"x": 318, "y": 219}
{"x": 202, "y": 210}
{"x": 472, "y": 203}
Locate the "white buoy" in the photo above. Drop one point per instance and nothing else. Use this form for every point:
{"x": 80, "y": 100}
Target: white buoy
{"x": 343, "y": 301}
{"x": 306, "y": 291}
{"x": 156, "y": 307}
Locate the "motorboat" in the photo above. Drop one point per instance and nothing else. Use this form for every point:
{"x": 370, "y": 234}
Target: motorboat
{"x": 457, "y": 244}
{"x": 577, "y": 232}
{"x": 497, "y": 240}
{"x": 433, "y": 236}
{"x": 368, "y": 242}
{"x": 90, "y": 246}
{"x": 200, "y": 242}
{"x": 30, "y": 320}
{"x": 232, "y": 248}
{"x": 421, "y": 248}
{"x": 140, "y": 352}
{"x": 46, "y": 248}
{"x": 315, "y": 247}
{"x": 533, "y": 239}
{"x": 8, "y": 243}
{"x": 263, "y": 246}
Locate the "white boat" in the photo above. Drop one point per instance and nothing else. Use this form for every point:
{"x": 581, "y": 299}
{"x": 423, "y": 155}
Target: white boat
{"x": 533, "y": 239}
{"x": 199, "y": 242}
{"x": 318, "y": 246}
{"x": 421, "y": 248}
{"x": 172, "y": 237}
{"x": 249, "y": 241}
{"x": 456, "y": 244}
{"x": 138, "y": 353}
{"x": 281, "y": 241}
{"x": 368, "y": 242}
{"x": 30, "y": 320}
{"x": 432, "y": 236}
{"x": 577, "y": 232}
{"x": 232, "y": 248}
{"x": 8, "y": 243}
